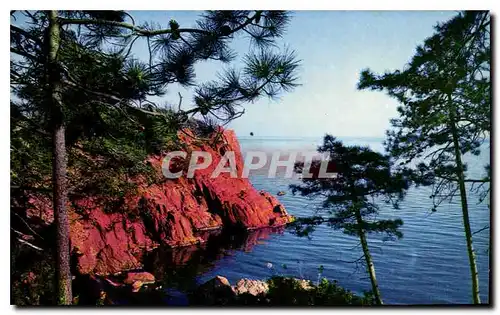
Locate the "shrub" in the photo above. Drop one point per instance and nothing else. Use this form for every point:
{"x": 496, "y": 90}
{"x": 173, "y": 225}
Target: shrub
{"x": 289, "y": 291}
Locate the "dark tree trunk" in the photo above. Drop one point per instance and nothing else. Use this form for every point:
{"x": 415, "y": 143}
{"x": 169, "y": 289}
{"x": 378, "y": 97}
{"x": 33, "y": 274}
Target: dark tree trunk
{"x": 63, "y": 273}
{"x": 465, "y": 209}
{"x": 370, "y": 267}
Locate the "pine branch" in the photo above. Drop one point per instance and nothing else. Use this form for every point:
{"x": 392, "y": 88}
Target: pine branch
{"x": 480, "y": 230}
{"x": 22, "y": 53}
{"x": 137, "y": 30}
{"x": 26, "y": 34}
{"x": 466, "y": 180}
{"x": 26, "y": 223}
{"x": 29, "y": 244}
{"x": 111, "y": 97}
{"x": 149, "y": 33}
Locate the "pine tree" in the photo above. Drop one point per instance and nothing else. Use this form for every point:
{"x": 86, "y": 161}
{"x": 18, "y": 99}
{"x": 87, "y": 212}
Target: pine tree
{"x": 350, "y": 197}
{"x": 445, "y": 112}
{"x": 76, "y": 82}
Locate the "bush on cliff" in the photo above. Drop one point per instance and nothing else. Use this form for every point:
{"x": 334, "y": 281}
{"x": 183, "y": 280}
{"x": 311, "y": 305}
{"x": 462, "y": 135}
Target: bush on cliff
{"x": 32, "y": 276}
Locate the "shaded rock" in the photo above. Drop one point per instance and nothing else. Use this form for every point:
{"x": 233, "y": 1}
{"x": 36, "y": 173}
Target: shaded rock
{"x": 219, "y": 282}
{"x": 216, "y": 291}
{"x": 253, "y": 287}
{"x": 97, "y": 290}
{"x": 91, "y": 290}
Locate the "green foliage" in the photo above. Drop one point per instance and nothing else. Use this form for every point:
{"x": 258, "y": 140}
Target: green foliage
{"x": 362, "y": 175}
{"x": 446, "y": 86}
{"x": 284, "y": 291}
{"x": 288, "y": 291}
{"x": 32, "y": 276}
{"x": 111, "y": 125}
{"x": 30, "y": 152}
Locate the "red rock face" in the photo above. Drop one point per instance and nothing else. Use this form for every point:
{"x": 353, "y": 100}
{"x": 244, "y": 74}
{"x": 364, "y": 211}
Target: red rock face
{"x": 235, "y": 200}
{"x": 170, "y": 213}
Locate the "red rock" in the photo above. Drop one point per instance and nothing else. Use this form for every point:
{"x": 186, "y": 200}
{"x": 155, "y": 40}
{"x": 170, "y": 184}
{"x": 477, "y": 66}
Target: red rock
{"x": 171, "y": 212}
{"x": 144, "y": 277}
{"x": 137, "y": 279}
{"x": 113, "y": 283}
{"x": 136, "y": 286}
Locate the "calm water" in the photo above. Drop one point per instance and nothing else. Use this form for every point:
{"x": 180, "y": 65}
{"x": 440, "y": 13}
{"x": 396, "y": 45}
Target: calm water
{"x": 428, "y": 265}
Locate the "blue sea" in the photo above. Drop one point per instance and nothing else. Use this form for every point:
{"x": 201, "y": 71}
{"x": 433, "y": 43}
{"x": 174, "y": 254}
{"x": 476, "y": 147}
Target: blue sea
{"x": 429, "y": 265}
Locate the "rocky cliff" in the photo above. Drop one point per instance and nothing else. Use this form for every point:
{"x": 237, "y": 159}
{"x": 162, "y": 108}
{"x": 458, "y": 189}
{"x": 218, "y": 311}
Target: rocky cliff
{"x": 171, "y": 212}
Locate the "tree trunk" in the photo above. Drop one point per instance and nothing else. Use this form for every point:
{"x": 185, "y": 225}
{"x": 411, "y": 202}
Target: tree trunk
{"x": 465, "y": 209}
{"x": 63, "y": 272}
{"x": 370, "y": 267}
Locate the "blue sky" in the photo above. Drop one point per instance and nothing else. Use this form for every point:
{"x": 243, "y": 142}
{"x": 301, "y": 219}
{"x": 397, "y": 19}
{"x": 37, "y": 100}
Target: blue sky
{"x": 334, "y": 47}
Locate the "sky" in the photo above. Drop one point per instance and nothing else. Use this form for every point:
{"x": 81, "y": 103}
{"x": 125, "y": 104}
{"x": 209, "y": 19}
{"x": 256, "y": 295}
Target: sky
{"x": 333, "y": 46}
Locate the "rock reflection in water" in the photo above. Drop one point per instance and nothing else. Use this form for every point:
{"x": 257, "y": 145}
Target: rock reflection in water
{"x": 178, "y": 268}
